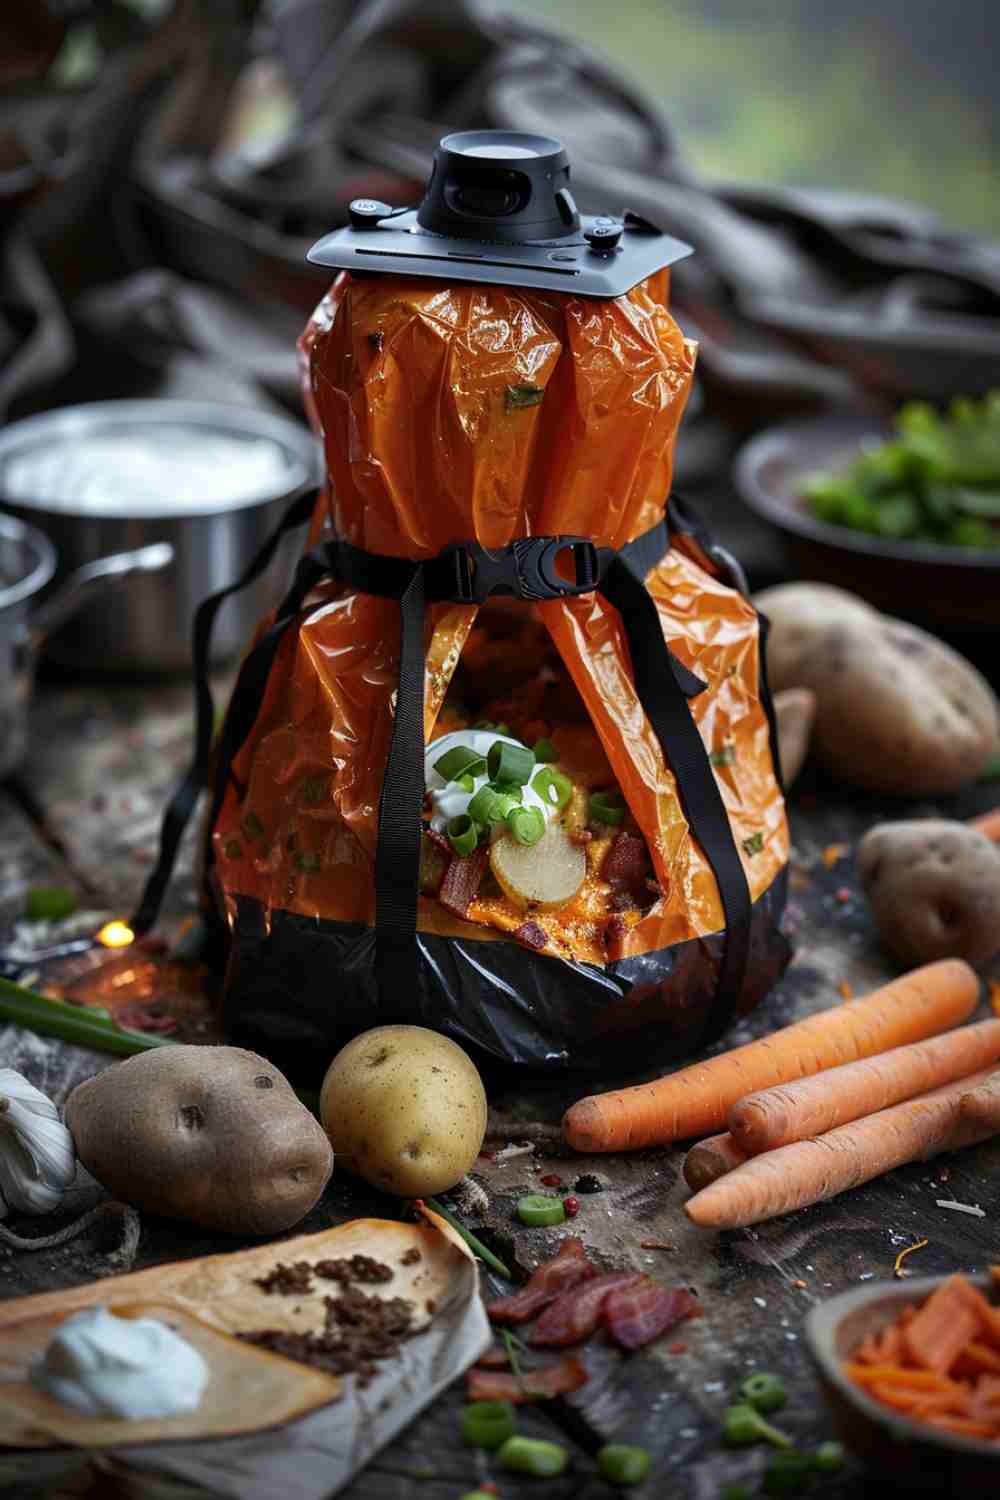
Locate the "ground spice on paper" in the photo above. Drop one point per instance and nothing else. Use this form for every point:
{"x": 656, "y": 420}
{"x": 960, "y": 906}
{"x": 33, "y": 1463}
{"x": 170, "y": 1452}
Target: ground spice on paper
{"x": 360, "y": 1268}
{"x": 289, "y": 1280}
{"x": 360, "y": 1331}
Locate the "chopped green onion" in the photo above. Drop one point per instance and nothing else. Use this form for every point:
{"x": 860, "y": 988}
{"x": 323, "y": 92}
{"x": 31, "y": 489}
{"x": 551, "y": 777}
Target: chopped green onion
{"x": 518, "y": 396}
{"x": 828, "y": 1458}
{"x": 526, "y": 824}
{"x": 512, "y": 763}
{"x": 623, "y": 1464}
{"x": 754, "y": 844}
{"x": 607, "y": 807}
{"x": 545, "y": 752}
{"x": 724, "y": 757}
{"x": 533, "y": 1456}
{"x": 743, "y": 1425}
{"x": 764, "y": 1392}
{"x": 463, "y": 835}
{"x": 79, "y": 1025}
{"x": 460, "y": 760}
{"x": 488, "y": 1424}
{"x": 467, "y": 783}
{"x": 509, "y": 789}
{"x": 491, "y": 805}
{"x": 787, "y": 1473}
{"x": 49, "y": 903}
{"x": 540, "y": 1210}
{"x": 553, "y": 787}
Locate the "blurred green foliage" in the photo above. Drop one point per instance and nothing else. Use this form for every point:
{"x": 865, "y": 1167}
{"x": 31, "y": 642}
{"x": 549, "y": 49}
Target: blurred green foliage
{"x": 895, "y": 98}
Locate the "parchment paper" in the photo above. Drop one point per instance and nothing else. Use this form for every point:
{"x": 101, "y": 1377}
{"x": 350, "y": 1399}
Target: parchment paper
{"x": 316, "y": 1454}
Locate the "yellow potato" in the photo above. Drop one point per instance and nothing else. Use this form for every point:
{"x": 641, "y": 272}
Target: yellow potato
{"x": 405, "y": 1108}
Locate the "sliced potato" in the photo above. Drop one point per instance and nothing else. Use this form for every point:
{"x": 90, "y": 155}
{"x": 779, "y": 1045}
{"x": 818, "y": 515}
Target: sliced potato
{"x": 546, "y": 874}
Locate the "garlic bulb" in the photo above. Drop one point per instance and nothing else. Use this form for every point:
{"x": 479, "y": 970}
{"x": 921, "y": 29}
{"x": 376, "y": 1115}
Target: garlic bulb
{"x": 37, "y": 1156}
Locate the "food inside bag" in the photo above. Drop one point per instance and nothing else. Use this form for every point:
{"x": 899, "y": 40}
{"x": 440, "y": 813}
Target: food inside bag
{"x": 565, "y": 901}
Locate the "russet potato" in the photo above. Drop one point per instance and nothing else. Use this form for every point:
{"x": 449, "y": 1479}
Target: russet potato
{"x": 897, "y": 710}
{"x": 405, "y": 1108}
{"x": 214, "y": 1135}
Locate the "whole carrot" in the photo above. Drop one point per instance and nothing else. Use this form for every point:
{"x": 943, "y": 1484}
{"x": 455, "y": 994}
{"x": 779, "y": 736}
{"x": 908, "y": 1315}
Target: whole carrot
{"x": 711, "y": 1159}
{"x": 982, "y": 1103}
{"x": 696, "y": 1100}
{"x": 811, "y": 1106}
{"x": 778, "y": 1182}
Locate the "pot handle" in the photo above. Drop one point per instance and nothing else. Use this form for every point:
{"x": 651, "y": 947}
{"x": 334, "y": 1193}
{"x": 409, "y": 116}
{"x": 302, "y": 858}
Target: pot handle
{"x": 95, "y": 578}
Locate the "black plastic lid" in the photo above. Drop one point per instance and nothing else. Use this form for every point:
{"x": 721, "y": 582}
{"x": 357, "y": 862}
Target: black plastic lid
{"x": 498, "y": 209}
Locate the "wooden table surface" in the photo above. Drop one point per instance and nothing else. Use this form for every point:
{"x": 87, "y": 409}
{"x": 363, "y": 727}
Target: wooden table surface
{"x": 83, "y": 812}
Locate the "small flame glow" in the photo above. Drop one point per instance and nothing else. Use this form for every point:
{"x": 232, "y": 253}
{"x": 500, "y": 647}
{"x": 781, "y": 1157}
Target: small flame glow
{"x": 116, "y": 934}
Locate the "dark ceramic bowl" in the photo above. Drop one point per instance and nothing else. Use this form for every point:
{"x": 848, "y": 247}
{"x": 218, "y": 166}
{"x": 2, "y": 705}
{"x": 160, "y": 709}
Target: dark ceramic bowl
{"x": 919, "y": 1459}
{"x": 946, "y": 588}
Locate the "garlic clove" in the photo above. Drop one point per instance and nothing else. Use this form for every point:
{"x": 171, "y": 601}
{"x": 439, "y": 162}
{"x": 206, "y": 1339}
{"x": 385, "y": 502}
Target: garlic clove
{"x": 37, "y": 1156}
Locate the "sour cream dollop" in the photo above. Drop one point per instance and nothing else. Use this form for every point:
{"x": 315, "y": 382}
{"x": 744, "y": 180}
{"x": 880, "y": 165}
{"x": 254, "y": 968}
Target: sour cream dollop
{"x": 448, "y": 799}
{"x": 133, "y": 1368}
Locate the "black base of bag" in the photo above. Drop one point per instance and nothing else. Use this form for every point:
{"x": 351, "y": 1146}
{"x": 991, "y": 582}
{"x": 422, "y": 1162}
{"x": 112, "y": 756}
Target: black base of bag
{"x": 297, "y": 989}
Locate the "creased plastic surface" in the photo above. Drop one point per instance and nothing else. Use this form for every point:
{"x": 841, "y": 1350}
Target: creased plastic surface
{"x": 457, "y": 412}
{"x": 298, "y": 989}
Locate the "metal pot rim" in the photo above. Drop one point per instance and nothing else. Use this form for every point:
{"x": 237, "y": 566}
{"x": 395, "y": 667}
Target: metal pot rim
{"x": 41, "y": 572}
{"x": 297, "y": 443}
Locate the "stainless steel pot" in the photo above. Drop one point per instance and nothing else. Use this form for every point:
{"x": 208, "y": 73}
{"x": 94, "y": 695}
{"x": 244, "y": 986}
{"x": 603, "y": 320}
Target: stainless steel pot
{"x": 210, "y": 479}
{"x": 27, "y": 564}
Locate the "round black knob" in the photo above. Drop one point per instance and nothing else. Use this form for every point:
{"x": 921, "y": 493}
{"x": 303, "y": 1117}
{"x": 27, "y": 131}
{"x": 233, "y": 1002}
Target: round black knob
{"x": 364, "y": 213}
{"x": 603, "y": 236}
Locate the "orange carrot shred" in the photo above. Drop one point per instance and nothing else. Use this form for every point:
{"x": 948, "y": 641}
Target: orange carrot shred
{"x": 942, "y": 1328}
{"x": 953, "y": 1339}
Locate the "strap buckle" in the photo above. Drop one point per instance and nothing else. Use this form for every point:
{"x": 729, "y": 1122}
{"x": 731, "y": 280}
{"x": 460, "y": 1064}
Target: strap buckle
{"x": 526, "y": 569}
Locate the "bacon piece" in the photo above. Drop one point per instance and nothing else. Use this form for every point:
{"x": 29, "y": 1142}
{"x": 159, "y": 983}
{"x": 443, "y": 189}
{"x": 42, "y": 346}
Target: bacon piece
{"x": 531, "y": 935}
{"x": 626, "y": 866}
{"x": 574, "y": 1316}
{"x": 462, "y": 882}
{"x": 555, "y": 1276}
{"x": 550, "y": 1380}
{"x": 635, "y": 1315}
{"x": 493, "y": 1358}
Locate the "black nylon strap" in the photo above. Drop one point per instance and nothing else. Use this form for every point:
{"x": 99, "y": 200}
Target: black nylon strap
{"x": 397, "y": 857}
{"x": 663, "y": 684}
{"x": 182, "y": 804}
{"x": 666, "y": 706}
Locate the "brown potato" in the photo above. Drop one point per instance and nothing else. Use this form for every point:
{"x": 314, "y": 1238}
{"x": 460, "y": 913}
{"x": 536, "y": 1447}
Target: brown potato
{"x": 405, "y": 1108}
{"x": 795, "y": 715}
{"x": 215, "y": 1135}
{"x": 897, "y": 710}
{"x": 934, "y": 889}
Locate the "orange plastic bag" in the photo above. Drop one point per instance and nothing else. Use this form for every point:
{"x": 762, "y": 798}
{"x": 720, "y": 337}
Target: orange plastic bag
{"x": 458, "y": 412}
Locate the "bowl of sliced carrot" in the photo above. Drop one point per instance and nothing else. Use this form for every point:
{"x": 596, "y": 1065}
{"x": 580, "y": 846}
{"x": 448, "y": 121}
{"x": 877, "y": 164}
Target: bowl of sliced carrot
{"x": 911, "y": 1372}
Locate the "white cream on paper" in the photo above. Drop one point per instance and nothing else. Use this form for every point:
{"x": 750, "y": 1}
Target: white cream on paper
{"x": 133, "y": 1368}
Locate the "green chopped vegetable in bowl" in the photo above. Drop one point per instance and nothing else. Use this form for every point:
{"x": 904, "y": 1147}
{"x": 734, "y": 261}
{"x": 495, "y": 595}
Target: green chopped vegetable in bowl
{"x": 937, "y": 480}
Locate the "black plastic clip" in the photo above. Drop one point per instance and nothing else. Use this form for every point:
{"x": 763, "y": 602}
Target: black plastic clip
{"x": 526, "y": 569}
